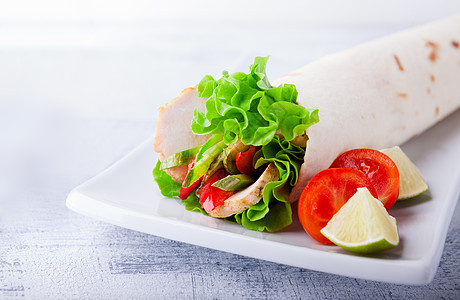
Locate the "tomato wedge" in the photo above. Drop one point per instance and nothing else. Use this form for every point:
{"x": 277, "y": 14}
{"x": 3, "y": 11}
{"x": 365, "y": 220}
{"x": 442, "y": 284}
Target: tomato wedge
{"x": 185, "y": 192}
{"x": 378, "y": 167}
{"x": 325, "y": 194}
{"x": 211, "y": 196}
{"x": 244, "y": 161}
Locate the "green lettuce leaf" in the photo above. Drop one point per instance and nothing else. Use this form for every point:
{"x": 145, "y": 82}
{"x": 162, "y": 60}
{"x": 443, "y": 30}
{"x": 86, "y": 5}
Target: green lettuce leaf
{"x": 247, "y": 107}
{"x": 192, "y": 203}
{"x": 273, "y": 212}
{"x": 170, "y": 188}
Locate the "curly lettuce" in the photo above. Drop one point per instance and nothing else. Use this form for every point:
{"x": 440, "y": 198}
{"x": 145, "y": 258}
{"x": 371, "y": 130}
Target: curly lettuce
{"x": 246, "y": 107}
{"x": 273, "y": 211}
{"x": 170, "y": 188}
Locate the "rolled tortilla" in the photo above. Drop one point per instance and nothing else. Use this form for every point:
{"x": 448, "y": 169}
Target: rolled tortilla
{"x": 376, "y": 95}
{"x": 379, "y": 94}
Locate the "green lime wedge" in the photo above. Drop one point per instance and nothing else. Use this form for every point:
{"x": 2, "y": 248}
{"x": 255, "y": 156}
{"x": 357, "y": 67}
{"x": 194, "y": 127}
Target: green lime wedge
{"x": 362, "y": 225}
{"x": 411, "y": 181}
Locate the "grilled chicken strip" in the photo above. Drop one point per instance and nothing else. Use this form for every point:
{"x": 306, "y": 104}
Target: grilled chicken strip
{"x": 247, "y": 197}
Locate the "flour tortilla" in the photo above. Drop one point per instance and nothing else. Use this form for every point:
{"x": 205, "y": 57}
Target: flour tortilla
{"x": 376, "y": 95}
{"x": 379, "y": 94}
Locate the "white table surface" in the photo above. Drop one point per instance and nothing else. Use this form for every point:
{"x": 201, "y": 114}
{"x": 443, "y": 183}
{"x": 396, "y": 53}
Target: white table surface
{"x": 75, "y": 96}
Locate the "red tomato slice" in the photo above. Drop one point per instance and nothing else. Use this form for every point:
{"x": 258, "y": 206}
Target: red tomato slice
{"x": 185, "y": 192}
{"x": 244, "y": 161}
{"x": 378, "y": 167}
{"x": 211, "y": 196}
{"x": 325, "y": 194}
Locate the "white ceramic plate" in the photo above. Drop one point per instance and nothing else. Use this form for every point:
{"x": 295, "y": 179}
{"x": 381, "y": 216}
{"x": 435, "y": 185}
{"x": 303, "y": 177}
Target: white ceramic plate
{"x": 126, "y": 195}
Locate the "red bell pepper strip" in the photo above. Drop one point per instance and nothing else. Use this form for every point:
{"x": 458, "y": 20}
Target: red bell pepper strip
{"x": 186, "y": 191}
{"x": 211, "y": 196}
{"x": 244, "y": 161}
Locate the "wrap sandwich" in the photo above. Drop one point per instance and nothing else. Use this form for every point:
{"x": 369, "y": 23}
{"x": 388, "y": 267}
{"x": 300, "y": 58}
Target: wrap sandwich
{"x": 376, "y": 95}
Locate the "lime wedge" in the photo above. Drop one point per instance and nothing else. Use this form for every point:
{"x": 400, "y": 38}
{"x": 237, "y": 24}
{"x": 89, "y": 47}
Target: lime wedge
{"x": 411, "y": 182}
{"x": 362, "y": 225}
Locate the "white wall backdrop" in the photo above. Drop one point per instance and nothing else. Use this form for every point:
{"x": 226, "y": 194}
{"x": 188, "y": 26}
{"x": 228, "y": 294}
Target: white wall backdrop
{"x": 328, "y": 12}
{"x": 119, "y": 59}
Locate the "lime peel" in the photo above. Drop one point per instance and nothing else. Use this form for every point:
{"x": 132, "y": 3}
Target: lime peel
{"x": 411, "y": 181}
{"x": 362, "y": 225}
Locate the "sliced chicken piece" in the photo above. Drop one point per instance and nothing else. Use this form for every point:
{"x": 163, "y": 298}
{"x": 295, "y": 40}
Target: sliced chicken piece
{"x": 247, "y": 197}
{"x": 173, "y": 129}
{"x": 178, "y": 173}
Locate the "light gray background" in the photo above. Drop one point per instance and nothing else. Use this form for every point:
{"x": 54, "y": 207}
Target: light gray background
{"x": 80, "y": 83}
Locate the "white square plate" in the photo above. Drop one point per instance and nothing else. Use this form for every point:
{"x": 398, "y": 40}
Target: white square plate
{"x": 126, "y": 195}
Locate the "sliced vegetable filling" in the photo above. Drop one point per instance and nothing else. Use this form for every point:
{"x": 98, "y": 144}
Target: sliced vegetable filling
{"x": 251, "y": 123}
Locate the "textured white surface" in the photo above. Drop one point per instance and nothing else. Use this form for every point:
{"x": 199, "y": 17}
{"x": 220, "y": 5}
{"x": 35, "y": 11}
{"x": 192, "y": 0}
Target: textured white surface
{"x": 76, "y": 90}
{"x": 49, "y": 251}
